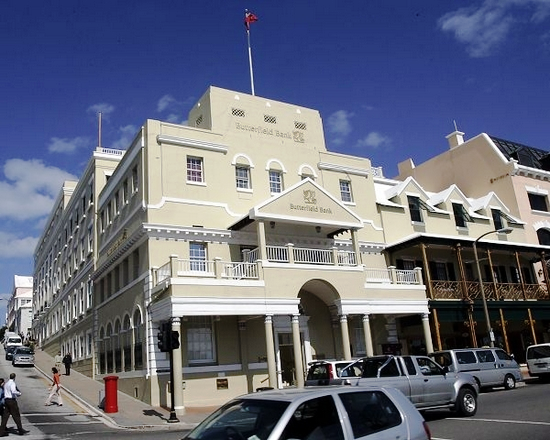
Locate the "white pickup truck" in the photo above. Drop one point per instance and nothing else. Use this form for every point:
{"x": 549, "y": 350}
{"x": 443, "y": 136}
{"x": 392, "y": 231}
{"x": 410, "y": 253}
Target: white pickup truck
{"x": 423, "y": 381}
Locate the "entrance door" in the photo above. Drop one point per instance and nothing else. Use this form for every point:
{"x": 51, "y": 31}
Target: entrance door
{"x": 286, "y": 352}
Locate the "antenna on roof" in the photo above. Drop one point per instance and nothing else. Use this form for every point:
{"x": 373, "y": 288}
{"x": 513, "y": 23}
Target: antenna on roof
{"x": 454, "y": 123}
{"x": 99, "y": 130}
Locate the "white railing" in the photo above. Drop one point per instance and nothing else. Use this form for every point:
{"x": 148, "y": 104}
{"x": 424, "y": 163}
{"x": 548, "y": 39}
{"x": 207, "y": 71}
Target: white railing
{"x": 277, "y": 254}
{"x": 201, "y": 266}
{"x": 406, "y": 276}
{"x": 163, "y": 272}
{"x": 378, "y": 275}
{"x": 240, "y": 271}
{"x": 312, "y": 256}
{"x": 346, "y": 258}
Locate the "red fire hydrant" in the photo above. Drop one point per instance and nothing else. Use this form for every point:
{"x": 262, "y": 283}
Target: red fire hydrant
{"x": 111, "y": 398}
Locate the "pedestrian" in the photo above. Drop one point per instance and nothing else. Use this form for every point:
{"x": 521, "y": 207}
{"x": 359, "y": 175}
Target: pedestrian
{"x": 11, "y": 407}
{"x": 55, "y": 389}
{"x": 1, "y": 396}
{"x": 58, "y": 359}
{"x": 67, "y": 361}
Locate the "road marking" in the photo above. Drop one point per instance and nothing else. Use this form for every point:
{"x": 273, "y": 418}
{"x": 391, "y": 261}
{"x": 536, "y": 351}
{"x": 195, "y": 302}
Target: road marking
{"x": 521, "y": 422}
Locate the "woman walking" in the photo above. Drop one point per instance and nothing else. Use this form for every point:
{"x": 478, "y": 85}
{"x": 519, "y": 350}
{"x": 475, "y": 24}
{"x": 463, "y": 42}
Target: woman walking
{"x": 55, "y": 389}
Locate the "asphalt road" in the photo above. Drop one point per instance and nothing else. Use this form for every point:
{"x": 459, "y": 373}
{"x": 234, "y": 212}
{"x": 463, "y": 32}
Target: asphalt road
{"x": 523, "y": 413}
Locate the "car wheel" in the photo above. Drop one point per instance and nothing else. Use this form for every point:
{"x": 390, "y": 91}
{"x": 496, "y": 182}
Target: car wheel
{"x": 466, "y": 403}
{"x": 509, "y": 382}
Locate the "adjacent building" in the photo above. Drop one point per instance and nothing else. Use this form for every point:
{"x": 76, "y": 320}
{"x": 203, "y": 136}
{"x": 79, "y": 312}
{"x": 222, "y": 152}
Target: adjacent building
{"x": 19, "y": 308}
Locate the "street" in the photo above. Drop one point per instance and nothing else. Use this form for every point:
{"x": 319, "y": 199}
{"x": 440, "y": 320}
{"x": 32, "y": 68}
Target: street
{"x": 67, "y": 421}
{"x": 520, "y": 413}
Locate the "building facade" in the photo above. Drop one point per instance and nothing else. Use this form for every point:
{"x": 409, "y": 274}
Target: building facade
{"x": 263, "y": 250}
{"x": 19, "y": 308}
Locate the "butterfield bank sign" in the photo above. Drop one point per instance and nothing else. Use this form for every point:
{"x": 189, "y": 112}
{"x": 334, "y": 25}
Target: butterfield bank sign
{"x": 310, "y": 204}
{"x": 296, "y": 136}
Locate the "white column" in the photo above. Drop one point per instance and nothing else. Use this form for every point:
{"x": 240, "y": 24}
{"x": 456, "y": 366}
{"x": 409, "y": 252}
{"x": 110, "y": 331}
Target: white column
{"x": 345, "y": 337}
{"x": 177, "y": 365}
{"x": 262, "y": 244}
{"x": 368, "y": 335}
{"x": 297, "y": 345}
{"x": 270, "y": 349}
{"x": 427, "y": 333}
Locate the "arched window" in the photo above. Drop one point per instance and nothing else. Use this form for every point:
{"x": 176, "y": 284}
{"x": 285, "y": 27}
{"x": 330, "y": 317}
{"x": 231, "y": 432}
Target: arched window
{"x": 127, "y": 344}
{"x": 138, "y": 341}
{"x": 102, "y": 352}
{"x": 109, "y": 348}
{"x": 543, "y": 236}
{"x": 117, "y": 346}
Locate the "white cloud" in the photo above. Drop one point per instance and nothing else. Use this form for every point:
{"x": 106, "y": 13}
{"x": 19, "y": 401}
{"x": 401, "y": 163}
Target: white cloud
{"x": 30, "y": 188}
{"x": 484, "y": 27}
{"x": 374, "y": 140}
{"x": 104, "y": 108}
{"x": 66, "y": 145}
{"x": 126, "y": 135}
{"x": 338, "y": 124}
{"x": 165, "y": 102}
{"x": 16, "y": 247}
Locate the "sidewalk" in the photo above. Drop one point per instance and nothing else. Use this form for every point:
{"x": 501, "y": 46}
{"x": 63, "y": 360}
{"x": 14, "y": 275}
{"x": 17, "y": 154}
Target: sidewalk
{"x": 132, "y": 413}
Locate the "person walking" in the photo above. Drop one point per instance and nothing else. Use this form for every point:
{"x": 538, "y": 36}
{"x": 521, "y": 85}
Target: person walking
{"x": 58, "y": 359}
{"x": 11, "y": 407}
{"x": 55, "y": 389}
{"x": 67, "y": 361}
{"x": 1, "y": 396}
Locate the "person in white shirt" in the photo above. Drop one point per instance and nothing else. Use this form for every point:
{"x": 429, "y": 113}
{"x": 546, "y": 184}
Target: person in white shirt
{"x": 11, "y": 407}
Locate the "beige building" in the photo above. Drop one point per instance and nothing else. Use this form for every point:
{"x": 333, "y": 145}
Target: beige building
{"x": 507, "y": 184}
{"x": 262, "y": 249}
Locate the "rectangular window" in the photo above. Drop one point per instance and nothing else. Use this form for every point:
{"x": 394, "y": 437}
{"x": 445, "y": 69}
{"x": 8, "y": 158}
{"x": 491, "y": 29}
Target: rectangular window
{"x": 134, "y": 180}
{"x": 194, "y": 169}
{"x": 461, "y": 215}
{"x": 538, "y": 202}
{"x": 345, "y": 191}
{"x": 275, "y": 181}
{"x": 242, "y": 176}
{"x": 497, "y": 219}
{"x": 197, "y": 256}
{"x": 415, "y": 209}
{"x": 200, "y": 339}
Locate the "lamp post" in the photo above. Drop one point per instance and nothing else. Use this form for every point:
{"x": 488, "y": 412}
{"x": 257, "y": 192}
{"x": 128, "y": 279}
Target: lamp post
{"x": 483, "y": 299}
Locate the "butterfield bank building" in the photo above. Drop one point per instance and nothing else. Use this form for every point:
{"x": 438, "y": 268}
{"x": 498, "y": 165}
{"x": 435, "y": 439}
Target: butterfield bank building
{"x": 264, "y": 250}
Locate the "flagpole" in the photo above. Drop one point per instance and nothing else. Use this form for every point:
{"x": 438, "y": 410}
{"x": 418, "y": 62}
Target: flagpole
{"x": 250, "y": 62}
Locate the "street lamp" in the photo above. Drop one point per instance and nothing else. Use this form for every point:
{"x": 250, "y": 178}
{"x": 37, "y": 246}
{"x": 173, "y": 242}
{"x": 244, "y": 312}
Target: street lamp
{"x": 483, "y": 299}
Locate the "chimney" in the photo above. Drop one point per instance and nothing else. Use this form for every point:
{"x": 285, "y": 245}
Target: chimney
{"x": 455, "y": 139}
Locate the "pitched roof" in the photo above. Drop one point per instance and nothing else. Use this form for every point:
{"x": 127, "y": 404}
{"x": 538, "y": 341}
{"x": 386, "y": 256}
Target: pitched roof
{"x": 525, "y": 155}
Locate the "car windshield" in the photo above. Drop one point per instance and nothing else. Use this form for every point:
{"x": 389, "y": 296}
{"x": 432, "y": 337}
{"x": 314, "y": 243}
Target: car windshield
{"x": 242, "y": 418}
{"x": 23, "y": 350}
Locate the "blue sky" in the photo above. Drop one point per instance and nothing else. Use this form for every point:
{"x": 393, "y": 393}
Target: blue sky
{"x": 389, "y": 78}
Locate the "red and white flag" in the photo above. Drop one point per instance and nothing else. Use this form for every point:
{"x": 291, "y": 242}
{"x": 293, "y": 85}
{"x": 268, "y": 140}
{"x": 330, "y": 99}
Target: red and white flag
{"x": 249, "y": 17}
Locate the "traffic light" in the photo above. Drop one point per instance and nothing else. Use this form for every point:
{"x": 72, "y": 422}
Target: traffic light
{"x": 164, "y": 336}
{"x": 174, "y": 340}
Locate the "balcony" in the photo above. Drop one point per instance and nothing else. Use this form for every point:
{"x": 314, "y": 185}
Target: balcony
{"x": 251, "y": 268}
{"x": 495, "y": 292}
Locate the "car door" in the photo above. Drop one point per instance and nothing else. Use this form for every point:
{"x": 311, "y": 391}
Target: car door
{"x": 489, "y": 374}
{"x": 436, "y": 386}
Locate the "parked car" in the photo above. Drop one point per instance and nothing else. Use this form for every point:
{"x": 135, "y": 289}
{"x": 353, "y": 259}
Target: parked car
{"x": 9, "y": 352}
{"x": 326, "y": 372}
{"x": 491, "y": 367}
{"x": 338, "y": 413}
{"x": 12, "y": 340}
{"x": 427, "y": 384}
{"x": 538, "y": 360}
{"x": 23, "y": 356}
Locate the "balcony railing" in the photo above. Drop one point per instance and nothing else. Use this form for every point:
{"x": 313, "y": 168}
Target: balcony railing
{"x": 498, "y": 291}
{"x": 250, "y": 269}
{"x": 296, "y": 255}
